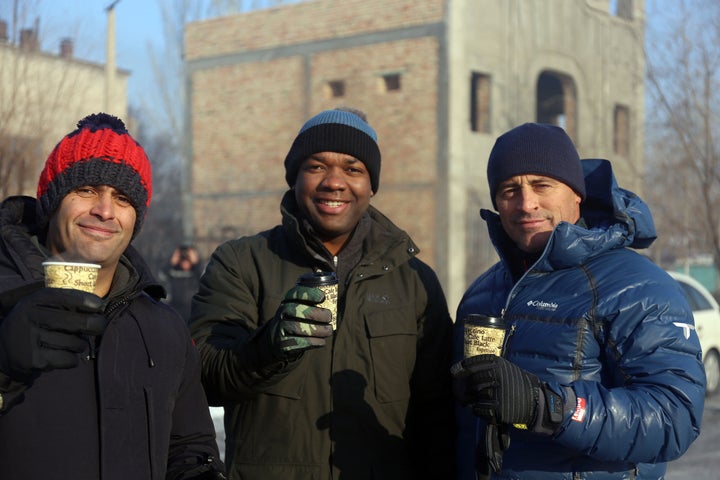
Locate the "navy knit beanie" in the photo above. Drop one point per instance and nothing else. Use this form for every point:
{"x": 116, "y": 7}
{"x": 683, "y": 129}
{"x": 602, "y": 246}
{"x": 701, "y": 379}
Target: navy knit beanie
{"x": 338, "y": 131}
{"x": 535, "y": 149}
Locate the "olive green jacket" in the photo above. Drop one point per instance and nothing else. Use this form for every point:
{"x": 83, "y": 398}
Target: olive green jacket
{"x": 374, "y": 403}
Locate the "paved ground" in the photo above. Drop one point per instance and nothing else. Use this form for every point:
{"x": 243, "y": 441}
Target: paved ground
{"x": 702, "y": 460}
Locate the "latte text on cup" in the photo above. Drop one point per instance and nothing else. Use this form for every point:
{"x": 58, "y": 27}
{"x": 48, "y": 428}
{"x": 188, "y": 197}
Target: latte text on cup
{"x": 483, "y": 335}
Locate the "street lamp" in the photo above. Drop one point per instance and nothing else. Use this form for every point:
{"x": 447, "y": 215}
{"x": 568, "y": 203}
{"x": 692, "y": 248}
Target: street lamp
{"x": 110, "y": 55}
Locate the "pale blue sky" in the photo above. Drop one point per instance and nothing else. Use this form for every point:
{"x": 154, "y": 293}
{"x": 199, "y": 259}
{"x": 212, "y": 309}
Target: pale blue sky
{"x": 138, "y": 29}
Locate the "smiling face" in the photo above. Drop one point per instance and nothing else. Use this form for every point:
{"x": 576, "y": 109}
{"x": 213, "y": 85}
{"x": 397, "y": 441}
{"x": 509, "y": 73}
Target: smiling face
{"x": 333, "y": 192}
{"x": 92, "y": 224}
{"x": 530, "y": 206}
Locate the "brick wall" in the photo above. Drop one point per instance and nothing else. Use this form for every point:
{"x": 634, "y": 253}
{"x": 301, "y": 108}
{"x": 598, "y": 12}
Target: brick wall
{"x": 305, "y": 22}
{"x": 246, "y": 113}
{"x": 257, "y": 77}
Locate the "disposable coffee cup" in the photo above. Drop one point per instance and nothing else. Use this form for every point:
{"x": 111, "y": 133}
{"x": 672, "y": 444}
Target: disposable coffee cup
{"x": 483, "y": 335}
{"x": 328, "y": 283}
{"x": 79, "y": 276}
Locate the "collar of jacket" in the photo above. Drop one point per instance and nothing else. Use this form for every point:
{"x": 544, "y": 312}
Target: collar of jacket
{"x": 383, "y": 247}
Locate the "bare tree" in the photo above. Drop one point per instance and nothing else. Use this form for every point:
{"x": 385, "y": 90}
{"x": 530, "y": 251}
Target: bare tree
{"x": 42, "y": 95}
{"x": 683, "y": 128}
{"x": 168, "y": 61}
{"x": 167, "y": 112}
{"x": 162, "y": 231}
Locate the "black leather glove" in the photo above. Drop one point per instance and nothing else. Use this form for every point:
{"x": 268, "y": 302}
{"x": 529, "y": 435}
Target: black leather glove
{"x": 46, "y": 330}
{"x": 501, "y": 392}
{"x": 298, "y": 324}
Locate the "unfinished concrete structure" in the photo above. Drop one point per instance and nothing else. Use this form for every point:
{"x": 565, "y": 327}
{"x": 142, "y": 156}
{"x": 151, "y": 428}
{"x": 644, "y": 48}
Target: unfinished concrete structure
{"x": 439, "y": 80}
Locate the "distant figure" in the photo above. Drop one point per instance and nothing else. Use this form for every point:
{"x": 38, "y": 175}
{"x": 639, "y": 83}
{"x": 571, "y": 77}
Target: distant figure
{"x": 181, "y": 278}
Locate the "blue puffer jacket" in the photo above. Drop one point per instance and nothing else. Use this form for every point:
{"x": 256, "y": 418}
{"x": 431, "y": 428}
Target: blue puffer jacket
{"x": 594, "y": 318}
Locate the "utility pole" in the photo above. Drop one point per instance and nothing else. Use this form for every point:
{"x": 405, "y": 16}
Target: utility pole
{"x": 110, "y": 69}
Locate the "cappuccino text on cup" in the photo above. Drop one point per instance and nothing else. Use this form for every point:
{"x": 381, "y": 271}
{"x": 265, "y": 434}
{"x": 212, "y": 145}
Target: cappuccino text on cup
{"x": 80, "y": 276}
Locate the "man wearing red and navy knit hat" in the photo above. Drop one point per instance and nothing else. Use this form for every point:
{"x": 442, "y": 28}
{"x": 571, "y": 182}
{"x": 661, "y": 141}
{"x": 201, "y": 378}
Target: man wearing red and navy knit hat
{"x": 102, "y": 384}
{"x": 99, "y": 152}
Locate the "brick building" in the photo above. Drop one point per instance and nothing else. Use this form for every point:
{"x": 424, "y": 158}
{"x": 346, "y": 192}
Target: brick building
{"x": 439, "y": 81}
{"x": 42, "y": 96}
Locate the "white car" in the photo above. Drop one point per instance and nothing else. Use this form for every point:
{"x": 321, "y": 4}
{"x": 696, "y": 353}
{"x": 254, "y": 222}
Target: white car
{"x": 707, "y": 323}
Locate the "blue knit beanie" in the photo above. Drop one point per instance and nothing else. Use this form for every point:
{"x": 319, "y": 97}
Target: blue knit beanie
{"x": 338, "y": 131}
{"x": 535, "y": 149}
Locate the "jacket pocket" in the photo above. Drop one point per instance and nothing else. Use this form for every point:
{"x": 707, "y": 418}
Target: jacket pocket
{"x": 393, "y": 342}
{"x": 292, "y": 384}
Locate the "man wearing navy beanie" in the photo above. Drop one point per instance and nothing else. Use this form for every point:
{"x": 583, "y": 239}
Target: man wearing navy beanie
{"x": 365, "y": 393}
{"x": 594, "y": 353}
{"x": 539, "y": 149}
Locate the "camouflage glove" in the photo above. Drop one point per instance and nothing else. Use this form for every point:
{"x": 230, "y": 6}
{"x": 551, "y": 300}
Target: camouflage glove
{"x": 299, "y": 324}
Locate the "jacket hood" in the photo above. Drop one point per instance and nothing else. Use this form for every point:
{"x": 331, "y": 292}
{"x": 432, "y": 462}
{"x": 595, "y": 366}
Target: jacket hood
{"x": 614, "y": 218}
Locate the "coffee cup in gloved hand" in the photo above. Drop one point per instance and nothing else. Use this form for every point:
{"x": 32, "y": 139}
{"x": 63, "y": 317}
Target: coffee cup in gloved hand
{"x": 300, "y": 323}
{"x": 48, "y": 329}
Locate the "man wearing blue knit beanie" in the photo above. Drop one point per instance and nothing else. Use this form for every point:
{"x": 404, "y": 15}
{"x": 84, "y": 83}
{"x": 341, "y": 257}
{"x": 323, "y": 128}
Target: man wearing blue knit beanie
{"x": 363, "y": 393}
{"x": 600, "y": 364}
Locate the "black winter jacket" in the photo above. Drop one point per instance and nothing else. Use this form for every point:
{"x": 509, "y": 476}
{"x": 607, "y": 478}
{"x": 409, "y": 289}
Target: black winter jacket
{"x": 375, "y": 402}
{"x": 136, "y": 411}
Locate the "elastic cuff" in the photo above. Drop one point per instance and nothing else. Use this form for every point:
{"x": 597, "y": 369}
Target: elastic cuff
{"x": 549, "y": 411}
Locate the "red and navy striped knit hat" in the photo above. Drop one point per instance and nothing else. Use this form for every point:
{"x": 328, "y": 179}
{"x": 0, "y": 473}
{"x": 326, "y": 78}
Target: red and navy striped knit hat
{"x": 99, "y": 152}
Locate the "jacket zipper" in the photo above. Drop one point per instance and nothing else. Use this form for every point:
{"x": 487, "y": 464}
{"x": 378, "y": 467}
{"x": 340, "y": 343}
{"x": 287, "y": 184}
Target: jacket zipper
{"x": 92, "y": 340}
{"x": 508, "y": 334}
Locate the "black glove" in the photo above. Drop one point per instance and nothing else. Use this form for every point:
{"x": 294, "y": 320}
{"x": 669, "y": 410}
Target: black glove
{"x": 206, "y": 469}
{"x": 46, "y": 329}
{"x": 501, "y": 392}
{"x": 298, "y": 324}
{"x": 490, "y": 449}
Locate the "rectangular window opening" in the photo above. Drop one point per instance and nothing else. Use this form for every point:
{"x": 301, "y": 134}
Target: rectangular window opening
{"x": 392, "y": 82}
{"x": 335, "y": 89}
{"x": 480, "y": 102}
{"x": 621, "y": 130}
